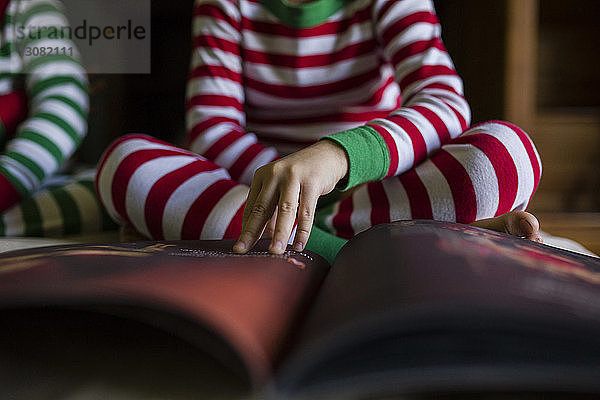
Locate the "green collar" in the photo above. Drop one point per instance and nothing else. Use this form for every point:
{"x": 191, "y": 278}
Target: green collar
{"x": 303, "y": 16}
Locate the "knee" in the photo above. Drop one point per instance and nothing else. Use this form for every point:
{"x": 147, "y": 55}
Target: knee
{"x": 115, "y": 153}
{"x": 504, "y": 143}
{"x": 126, "y": 146}
{"x": 123, "y": 145}
{"x": 502, "y": 154}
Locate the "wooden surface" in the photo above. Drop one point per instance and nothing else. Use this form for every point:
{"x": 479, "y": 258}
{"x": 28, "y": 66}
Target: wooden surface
{"x": 569, "y": 145}
{"x": 551, "y": 85}
{"x": 581, "y": 227}
{"x": 521, "y": 61}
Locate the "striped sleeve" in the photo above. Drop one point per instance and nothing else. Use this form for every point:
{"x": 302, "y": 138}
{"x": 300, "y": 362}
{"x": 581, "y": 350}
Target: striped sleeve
{"x": 433, "y": 109}
{"x": 56, "y": 87}
{"x": 215, "y": 95}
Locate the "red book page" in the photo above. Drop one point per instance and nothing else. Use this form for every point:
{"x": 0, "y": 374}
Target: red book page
{"x": 249, "y": 301}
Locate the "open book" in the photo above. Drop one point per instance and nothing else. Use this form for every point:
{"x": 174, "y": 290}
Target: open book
{"x": 409, "y": 307}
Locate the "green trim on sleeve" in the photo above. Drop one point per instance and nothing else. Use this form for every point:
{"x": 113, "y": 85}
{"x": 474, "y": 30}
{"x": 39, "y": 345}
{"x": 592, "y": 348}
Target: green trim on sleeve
{"x": 325, "y": 244}
{"x": 303, "y": 15}
{"x": 368, "y": 156}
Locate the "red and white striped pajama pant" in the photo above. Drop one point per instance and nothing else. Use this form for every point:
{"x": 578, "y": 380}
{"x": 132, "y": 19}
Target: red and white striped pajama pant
{"x": 169, "y": 193}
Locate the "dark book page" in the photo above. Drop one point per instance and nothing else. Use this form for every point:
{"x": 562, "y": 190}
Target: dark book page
{"x": 410, "y": 305}
{"x": 239, "y": 309}
{"x": 70, "y": 353}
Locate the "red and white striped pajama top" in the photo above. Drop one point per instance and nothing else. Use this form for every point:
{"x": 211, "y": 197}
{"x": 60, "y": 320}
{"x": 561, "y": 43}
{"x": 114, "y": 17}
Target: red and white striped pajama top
{"x": 268, "y": 78}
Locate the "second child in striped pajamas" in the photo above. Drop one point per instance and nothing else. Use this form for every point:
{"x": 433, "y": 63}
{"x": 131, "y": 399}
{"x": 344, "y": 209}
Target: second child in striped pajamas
{"x": 43, "y": 120}
{"x": 354, "y": 104}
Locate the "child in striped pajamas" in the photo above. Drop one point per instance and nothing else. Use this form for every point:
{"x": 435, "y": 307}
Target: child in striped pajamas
{"x": 312, "y": 121}
{"x": 43, "y": 119}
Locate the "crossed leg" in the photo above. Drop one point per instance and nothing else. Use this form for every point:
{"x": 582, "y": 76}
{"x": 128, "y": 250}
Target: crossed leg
{"x": 63, "y": 207}
{"x": 485, "y": 177}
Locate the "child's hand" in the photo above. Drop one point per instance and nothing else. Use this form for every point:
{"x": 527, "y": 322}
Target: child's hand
{"x": 293, "y": 185}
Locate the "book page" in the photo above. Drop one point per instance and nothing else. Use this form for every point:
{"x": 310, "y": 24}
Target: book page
{"x": 406, "y": 299}
{"x": 241, "y": 308}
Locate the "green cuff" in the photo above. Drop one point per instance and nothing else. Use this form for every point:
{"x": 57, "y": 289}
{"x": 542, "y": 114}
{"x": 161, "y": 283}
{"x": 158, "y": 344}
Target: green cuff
{"x": 368, "y": 156}
{"x": 325, "y": 244}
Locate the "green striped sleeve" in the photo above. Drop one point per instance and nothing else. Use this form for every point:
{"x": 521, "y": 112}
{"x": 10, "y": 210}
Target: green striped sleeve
{"x": 57, "y": 90}
{"x": 35, "y": 9}
{"x": 24, "y": 160}
{"x": 61, "y": 123}
{"x": 69, "y": 102}
{"x": 44, "y": 142}
{"x": 42, "y": 61}
{"x": 17, "y": 183}
{"x": 56, "y": 81}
